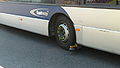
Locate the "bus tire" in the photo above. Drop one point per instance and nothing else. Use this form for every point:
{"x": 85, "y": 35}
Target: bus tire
{"x": 65, "y": 32}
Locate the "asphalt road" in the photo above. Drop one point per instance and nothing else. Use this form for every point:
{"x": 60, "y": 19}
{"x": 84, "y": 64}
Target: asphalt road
{"x": 22, "y": 49}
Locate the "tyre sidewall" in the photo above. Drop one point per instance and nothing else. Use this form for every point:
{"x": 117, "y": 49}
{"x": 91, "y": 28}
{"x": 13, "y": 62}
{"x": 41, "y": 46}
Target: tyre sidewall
{"x": 72, "y": 39}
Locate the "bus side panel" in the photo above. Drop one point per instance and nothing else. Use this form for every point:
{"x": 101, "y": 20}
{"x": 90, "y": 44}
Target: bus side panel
{"x": 103, "y": 39}
{"x": 95, "y": 17}
{"x": 35, "y": 25}
{"x": 100, "y": 27}
{"x": 31, "y": 17}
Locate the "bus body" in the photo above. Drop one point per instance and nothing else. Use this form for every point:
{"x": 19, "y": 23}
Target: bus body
{"x": 97, "y": 21}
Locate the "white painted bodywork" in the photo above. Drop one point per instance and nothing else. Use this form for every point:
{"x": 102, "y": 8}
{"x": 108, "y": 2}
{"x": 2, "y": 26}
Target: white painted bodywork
{"x": 91, "y": 17}
{"x": 35, "y": 25}
{"x": 100, "y": 28}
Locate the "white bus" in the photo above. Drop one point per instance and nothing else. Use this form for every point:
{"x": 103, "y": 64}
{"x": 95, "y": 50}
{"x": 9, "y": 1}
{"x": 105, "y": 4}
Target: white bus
{"x": 92, "y": 23}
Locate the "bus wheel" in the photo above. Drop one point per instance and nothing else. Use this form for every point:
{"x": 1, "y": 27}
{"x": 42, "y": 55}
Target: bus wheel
{"x": 65, "y": 33}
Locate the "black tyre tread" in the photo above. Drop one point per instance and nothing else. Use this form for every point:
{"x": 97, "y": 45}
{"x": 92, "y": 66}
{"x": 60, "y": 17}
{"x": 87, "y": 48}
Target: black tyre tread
{"x": 72, "y": 40}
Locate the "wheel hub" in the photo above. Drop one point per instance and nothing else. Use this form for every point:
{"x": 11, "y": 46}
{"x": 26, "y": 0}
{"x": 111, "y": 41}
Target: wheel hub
{"x": 63, "y": 32}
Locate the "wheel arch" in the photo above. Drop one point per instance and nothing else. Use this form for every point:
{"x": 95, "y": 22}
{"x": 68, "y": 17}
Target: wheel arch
{"x": 51, "y": 26}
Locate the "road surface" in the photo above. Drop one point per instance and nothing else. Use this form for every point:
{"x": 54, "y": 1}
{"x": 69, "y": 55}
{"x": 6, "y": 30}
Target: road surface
{"x": 22, "y": 49}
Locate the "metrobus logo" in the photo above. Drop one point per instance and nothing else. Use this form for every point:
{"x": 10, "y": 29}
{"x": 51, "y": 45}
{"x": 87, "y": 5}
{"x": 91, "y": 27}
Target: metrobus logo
{"x": 41, "y": 12}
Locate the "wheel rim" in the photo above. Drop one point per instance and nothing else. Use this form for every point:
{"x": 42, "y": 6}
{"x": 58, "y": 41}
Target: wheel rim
{"x": 63, "y": 32}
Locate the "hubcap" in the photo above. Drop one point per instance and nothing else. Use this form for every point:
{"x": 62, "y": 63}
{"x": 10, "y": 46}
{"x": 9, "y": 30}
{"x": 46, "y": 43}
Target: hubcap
{"x": 63, "y": 32}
